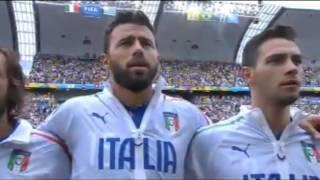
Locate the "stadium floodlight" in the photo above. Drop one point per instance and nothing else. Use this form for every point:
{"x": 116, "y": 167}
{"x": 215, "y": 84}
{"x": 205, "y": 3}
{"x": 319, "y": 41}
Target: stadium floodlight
{"x": 138, "y": 4}
{"x": 226, "y": 8}
{"x": 74, "y": 2}
{"x": 314, "y": 5}
{"x": 193, "y": 9}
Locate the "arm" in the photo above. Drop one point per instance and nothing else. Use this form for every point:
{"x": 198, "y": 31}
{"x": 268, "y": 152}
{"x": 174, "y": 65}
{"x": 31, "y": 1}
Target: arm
{"x": 48, "y": 158}
{"x": 197, "y": 158}
{"x": 59, "y": 164}
{"x": 58, "y": 123}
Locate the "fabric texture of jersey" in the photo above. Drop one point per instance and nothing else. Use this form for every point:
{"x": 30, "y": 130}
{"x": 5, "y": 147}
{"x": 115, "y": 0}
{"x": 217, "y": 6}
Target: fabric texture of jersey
{"x": 31, "y": 154}
{"x": 106, "y": 144}
{"x": 244, "y": 147}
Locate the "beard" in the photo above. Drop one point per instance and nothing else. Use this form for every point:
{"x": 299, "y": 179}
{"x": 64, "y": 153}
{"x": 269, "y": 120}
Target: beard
{"x": 2, "y": 107}
{"x": 136, "y": 82}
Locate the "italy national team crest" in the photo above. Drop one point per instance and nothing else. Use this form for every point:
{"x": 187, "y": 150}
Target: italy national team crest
{"x": 171, "y": 121}
{"x": 19, "y": 160}
{"x": 311, "y": 152}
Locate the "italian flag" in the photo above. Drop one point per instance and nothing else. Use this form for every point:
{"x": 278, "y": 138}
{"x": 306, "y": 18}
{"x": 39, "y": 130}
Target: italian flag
{"x": 311, "y": 152}
{"x": 72, "y": 8}
{"x": 172, "y": 124}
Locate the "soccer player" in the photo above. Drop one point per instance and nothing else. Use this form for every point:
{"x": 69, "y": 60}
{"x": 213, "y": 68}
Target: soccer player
{"x": 24, "y": 152}
{"x": 130, "y": 130}
{"x": 264, "y": 141}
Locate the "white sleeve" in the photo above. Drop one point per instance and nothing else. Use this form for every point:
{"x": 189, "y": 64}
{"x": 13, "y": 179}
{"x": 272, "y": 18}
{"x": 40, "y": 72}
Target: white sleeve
{"x": 49, "y": 159}
{"x": 199, "y": 118}
{"x": 203, "y": 119}
{"x": 58, "y": 123}
{"x": 198, "y": 157}
{"x": 58, "y": 162}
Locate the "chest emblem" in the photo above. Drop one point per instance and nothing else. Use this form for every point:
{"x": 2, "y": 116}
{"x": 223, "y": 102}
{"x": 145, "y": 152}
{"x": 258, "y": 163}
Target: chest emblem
{"x": 171, "y": 122}
{"x": 19, "y": 160}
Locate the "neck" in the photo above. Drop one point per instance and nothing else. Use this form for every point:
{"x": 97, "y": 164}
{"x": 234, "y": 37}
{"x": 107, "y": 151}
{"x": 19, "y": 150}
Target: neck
{"x": 132, "y": 99}
{"x": 277, "y": 116}
{"x": 5, "y": 126}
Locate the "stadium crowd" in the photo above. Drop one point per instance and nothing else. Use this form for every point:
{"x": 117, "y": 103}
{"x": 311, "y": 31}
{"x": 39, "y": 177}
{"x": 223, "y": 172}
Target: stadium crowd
{"x": 189, "y": 73}
{"x": 64, "y": 69}
{"x": 38, "y": 106}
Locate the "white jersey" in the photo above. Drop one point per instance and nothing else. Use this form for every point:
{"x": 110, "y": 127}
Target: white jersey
{"x": 31, "y": 154}
{"x": 105, "y": 143}
{"x": 244, "y": 147}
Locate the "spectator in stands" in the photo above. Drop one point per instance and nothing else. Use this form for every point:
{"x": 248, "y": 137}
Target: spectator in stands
{"x": 37, "y": 107}
{"x": 64, "y": 69}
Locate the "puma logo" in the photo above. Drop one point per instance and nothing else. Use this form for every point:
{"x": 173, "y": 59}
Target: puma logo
{"x": 102, "y": 118}
{"x": 245, "y": 151}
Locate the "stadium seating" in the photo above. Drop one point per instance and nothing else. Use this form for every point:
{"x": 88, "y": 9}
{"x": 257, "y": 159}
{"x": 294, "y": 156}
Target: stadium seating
{"x": 38, "y": 106}
{"x": 64, "y": 69}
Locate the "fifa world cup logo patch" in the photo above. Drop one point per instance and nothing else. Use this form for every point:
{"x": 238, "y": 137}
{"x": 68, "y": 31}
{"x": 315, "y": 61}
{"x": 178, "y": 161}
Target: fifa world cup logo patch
{"x": 311, "y": 152}
{"x": 19, "y": 160}
{"x": 171, "y": 122}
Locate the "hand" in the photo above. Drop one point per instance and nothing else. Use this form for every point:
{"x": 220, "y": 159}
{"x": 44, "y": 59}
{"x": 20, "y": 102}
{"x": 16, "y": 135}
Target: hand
{"x": 312, "y": 125}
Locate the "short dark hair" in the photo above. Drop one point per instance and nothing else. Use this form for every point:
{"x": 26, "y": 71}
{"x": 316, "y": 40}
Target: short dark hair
{"x": 250, "y": 52}
{"x": 124, "y": 17}
{"x": 15, "y": 91}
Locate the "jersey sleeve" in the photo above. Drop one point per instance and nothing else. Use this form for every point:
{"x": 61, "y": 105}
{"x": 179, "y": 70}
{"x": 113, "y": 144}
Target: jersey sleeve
{"x": 58, "y": 123}
{"x": 204, "y": 119}
{"x": 48, "y": 158}
{"x": 58, "y": 164}
{"x": 198, "y": 157}
{"x": 201, "y": 119}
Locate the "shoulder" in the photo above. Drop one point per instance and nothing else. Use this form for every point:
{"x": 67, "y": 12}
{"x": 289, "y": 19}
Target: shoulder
{"x": 186, "y": 110}
{"x": 218, "y": 131}
{"x": 75, "y": 104}
{"x": 42, "y": 140}
{"x": 80, "y": 100}
{"x": 180, "y": 104}
{"x": 47, "y": 157}
{"x": 174, "y": 99}
{"x": 222, "y": 126}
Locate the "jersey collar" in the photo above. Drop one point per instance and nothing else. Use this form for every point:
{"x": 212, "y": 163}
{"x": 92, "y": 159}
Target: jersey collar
{"x": 117, "y": 107}
{"x": 257, "y": 119}
{"x": 20, "y": 135}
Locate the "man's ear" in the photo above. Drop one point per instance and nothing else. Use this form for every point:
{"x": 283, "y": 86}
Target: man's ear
{"x": 247, "y": 74}
{"x": 104, "y": 58}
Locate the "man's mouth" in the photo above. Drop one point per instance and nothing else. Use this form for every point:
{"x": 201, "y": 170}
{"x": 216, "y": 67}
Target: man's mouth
{"x": 290, "y": 83}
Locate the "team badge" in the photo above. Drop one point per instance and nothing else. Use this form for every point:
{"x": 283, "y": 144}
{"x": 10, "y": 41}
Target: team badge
{"x": 19, "y": 160}
{"x": 171, "y": 121}
{"x": 311, "y": 152}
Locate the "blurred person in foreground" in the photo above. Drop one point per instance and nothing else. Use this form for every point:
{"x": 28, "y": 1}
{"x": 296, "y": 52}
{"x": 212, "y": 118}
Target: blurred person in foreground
{"x": 131, "y": 130}
{"x": 264, "y": 141}
{"x": 24, "y": 152}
